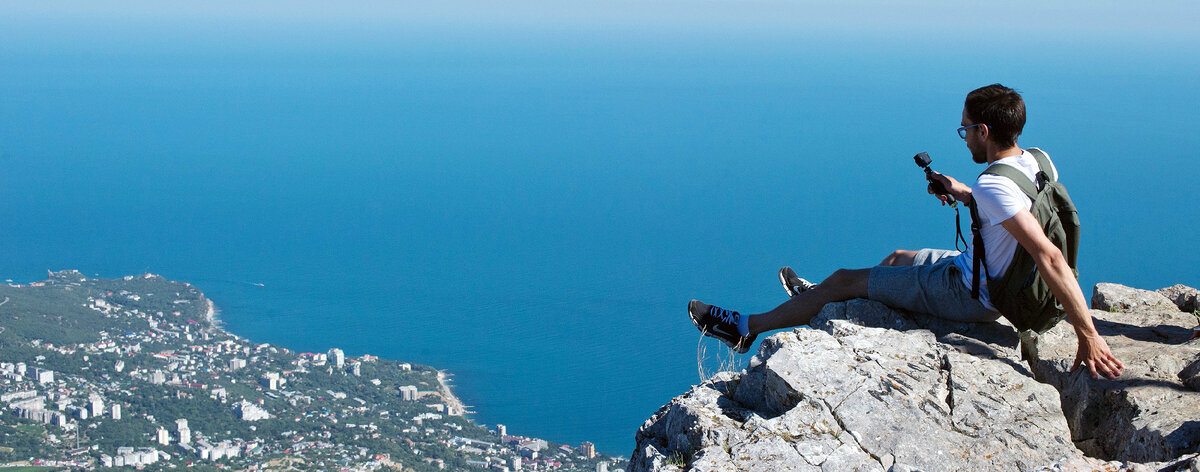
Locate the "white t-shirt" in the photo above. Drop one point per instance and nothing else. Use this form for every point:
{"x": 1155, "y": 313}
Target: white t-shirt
{"x": 998, "y": 199}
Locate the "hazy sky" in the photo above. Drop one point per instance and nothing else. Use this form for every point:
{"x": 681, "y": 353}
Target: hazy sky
{"x": 979, "y": 21}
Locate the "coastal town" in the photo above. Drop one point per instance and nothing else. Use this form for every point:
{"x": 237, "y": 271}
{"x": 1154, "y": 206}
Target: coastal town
{"x": 136, "y": 372}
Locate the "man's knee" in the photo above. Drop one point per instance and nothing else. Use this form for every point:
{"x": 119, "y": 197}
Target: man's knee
{"x": 850, "y": 283}
{"x": 899, "y": 257}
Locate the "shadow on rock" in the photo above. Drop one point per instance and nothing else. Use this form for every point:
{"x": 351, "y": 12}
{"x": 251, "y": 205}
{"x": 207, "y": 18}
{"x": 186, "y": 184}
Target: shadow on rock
{"x": 1156, "y": 333}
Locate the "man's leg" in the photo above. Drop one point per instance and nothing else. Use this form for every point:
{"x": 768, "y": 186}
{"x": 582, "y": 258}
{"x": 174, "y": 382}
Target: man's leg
{"x": 900, "y": 257}
{"x": 844, "y": 284}
{"x": 923, "y": 288}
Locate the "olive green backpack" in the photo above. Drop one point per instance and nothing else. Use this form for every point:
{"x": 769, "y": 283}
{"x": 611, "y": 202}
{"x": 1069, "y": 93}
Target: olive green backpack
{"x": 1021, "y": 295}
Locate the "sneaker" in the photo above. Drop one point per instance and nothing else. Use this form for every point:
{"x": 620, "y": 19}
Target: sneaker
{"x": 792, "y": 283}
{"x": 719, "y": 323}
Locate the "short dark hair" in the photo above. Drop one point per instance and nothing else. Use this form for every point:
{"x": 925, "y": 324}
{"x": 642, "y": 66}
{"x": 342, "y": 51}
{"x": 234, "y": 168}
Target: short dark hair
{"x": 1001, "y": 109}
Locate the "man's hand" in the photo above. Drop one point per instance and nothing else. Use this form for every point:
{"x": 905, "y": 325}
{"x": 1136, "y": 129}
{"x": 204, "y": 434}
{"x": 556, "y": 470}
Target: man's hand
{"x": 959, "y": 190}
{"x": 1093, "y": 351}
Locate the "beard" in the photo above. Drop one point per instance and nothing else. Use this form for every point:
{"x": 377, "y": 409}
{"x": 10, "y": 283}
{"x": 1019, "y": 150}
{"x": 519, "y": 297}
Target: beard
{"x": 978, "y": 155}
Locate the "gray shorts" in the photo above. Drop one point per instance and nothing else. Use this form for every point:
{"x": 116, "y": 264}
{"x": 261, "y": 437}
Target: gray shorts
{"x": 931, "y": 285}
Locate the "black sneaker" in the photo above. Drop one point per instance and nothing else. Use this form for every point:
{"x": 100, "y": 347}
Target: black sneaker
{"x": 719, "y": 323}
{"x": 792, "y": 283}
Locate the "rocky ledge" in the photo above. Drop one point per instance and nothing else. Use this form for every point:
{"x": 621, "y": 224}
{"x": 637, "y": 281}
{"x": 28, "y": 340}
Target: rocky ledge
{"x": 874, "y": 389}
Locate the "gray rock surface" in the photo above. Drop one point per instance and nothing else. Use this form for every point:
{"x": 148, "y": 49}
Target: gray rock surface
{"x": 873, "y": 389}
{"x": 1184, "y": 297}
{"x": 1190, "y": 375}
{"x": 1152, "y": 412}
{"x": 852, "y": 396}
{"x": 1119, "y": 298}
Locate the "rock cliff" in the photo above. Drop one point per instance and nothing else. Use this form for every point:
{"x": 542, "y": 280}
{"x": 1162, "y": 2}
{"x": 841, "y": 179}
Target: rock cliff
{"x": 869, "y": 388}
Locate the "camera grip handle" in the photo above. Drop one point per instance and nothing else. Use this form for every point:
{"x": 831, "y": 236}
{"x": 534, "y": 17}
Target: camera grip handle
{"x": 938, "y": 188}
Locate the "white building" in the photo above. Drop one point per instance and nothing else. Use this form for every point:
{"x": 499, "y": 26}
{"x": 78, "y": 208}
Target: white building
{"x": 163, "y": 436}
{"x": 35, "y": 402}
{"x": 250, "y": 412}
{"x": 36, "y": 412}
{"x": 128, "y": 457}
{"x": 236, "y": 363}
{"x": 115, "y": 411}
{"x": 408, "y": 393}
{"x": 96, "y": 406}
{"x": 271, "y": 381}
{"x": 532, "y": 444}
{"x": 185, "y": 434}
{"x": 214, "y": 452}
{"x": 8, "y": 397}
{"x": 43, "y": 376}
{"x": 337, "y": 357}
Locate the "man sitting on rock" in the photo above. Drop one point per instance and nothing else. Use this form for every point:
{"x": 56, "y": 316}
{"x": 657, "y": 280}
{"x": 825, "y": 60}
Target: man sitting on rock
{"x": 937, "y": 282}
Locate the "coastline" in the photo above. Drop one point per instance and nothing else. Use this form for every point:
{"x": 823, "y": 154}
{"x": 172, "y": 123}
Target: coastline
{"x": 435, "y": 438}
{"x": 214, "y": 322}
{"x": 335, "y": 408}
{"x": 211, "y": 315}
{"x": 209, "y": 312}
{"x": 453, "y": 403}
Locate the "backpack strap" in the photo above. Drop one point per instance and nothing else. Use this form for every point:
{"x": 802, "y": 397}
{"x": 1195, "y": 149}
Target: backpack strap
{"x": 978, "y": 255}
{"x": 1011, "y": 173}
{"x": 1043, "y": 162}
{"x": 1028, "y": 187}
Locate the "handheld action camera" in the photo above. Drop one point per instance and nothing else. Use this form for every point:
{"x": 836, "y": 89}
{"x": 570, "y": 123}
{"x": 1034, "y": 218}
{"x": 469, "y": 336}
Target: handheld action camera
{"x": 922, "y": 159}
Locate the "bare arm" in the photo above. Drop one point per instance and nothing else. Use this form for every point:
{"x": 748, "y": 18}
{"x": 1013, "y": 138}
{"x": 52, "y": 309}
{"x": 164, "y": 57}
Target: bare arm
{"x": 1093, "y": 349}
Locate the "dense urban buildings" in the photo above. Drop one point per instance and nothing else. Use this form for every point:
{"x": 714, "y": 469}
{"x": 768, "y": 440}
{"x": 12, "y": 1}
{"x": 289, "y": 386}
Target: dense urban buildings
{"x": 139, "y": 375}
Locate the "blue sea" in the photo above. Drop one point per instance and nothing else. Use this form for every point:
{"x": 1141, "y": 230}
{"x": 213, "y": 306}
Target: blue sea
{"x": 528, "y": 195}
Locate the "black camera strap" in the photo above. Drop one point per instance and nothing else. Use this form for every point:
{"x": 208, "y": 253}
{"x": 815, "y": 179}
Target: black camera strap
{"x": 958, "y": 237}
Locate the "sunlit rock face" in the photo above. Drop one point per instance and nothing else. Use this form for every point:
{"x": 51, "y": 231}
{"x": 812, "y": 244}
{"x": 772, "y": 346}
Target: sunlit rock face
{"x": 874, "y": 389}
